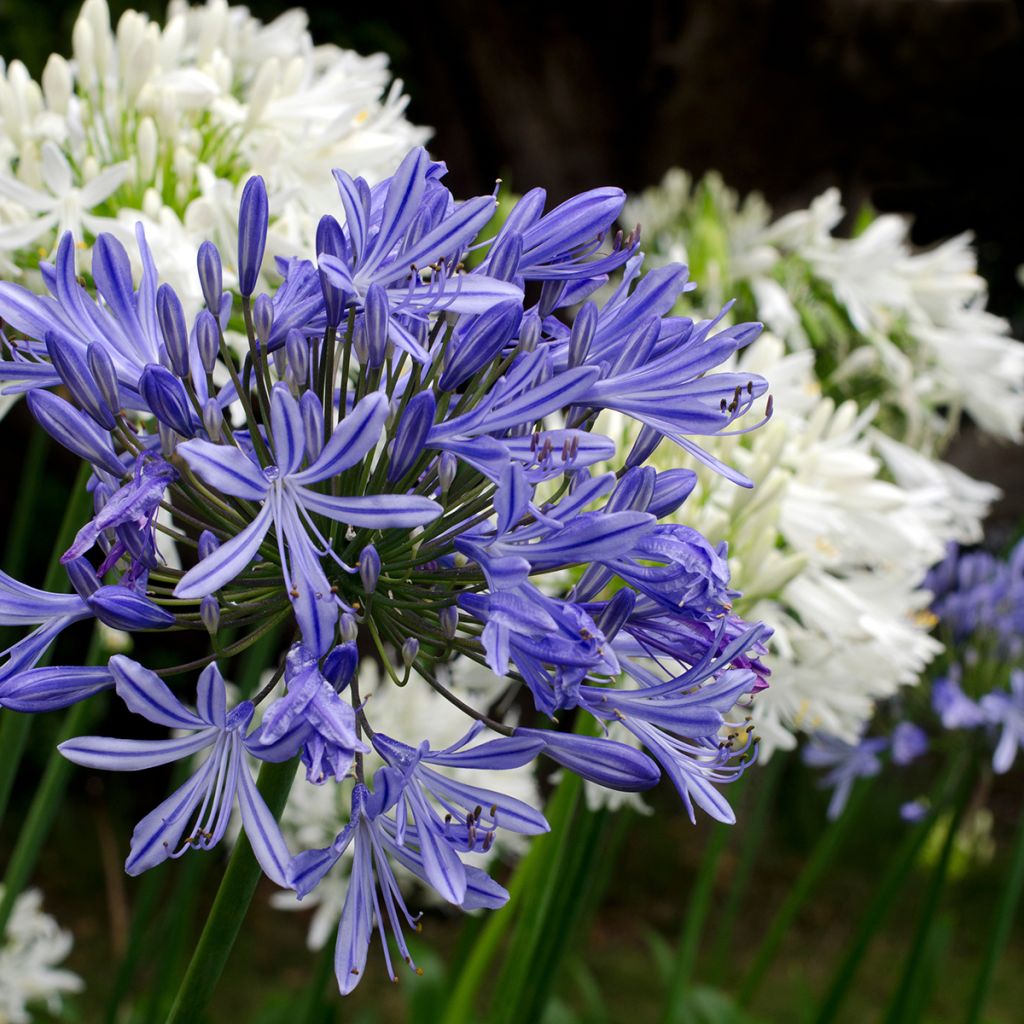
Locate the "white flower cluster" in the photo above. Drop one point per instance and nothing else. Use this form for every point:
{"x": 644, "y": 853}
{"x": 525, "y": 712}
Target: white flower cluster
{"x": 314, "y": 815}
{"x": 29, "y": 953}
{"x": 907, "y": 327}
{"x": 829, "y": 548}
{"x": 162, "y": 125}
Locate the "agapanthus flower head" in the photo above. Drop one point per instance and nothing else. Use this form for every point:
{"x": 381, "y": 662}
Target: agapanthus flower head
{"x": 403, "y": 468}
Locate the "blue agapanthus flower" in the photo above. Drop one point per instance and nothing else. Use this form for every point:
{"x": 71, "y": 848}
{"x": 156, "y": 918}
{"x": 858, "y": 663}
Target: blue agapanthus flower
{"x": 392, "y": 457}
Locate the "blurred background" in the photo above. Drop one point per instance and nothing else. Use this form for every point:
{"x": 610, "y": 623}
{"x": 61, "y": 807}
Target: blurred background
{"x": 912, "y": 106}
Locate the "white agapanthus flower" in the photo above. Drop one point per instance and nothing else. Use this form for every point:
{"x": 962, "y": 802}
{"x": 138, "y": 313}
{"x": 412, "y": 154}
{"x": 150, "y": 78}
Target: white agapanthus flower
{"x": 830, "y": 548}
{"x": 909, "y": 327}
{"x": 315, "y": 814}
{"x": 30, "y": 950}
{"x": 164, "y": 123}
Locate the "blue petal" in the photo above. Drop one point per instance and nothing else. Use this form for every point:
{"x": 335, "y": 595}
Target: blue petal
{"x": 148, "y": 695}
{"x": 76, "y": 431}
{"x": 356, "y": 435}
{"x": 230, "y": 559}
{"x": 287, "y": 428}
{"x": 607, "y": 762}
{"x": 56, "y": 686}
{"x": 383, "y": 511}
{"x": 225, "y": 468}
{"x": 117, "y": 755}
{"x": 262, "y": 830}
{"x": 211, "y": 697}
{"x": 121, "y": 608}
{"x": 253, "y": 216}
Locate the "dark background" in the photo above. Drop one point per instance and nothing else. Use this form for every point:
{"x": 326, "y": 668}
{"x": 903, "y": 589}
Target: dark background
{"x": 914, "y": 105}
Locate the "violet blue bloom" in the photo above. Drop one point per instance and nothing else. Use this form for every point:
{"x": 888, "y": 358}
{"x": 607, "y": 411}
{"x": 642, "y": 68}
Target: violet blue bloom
{"x": 196, "y": 816}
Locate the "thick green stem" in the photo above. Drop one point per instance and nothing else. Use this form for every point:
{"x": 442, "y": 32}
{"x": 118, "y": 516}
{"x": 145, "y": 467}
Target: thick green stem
{"x": 1007, "y": 912}
{"x": 229, "y": 907}
{"x": 693, "y": 923}
{"x": 41, "y": 813}
{"x": 828, "y": 846}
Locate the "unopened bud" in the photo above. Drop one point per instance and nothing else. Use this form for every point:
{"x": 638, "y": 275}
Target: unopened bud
{"x": 209, "y": 612}
{"x": 449, "y": 621}
{"x": 410, "y": 649}
{"x": 369, "y": 568}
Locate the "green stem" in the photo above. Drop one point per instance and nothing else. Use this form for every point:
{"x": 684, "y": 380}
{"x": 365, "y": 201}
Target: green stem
{"x": 229, "y": 907}
{"x": 1000, "y": 932}
{"x": 764, "y": 785}
{"x": 912, "y": 970}
{"x": 828, "y": 846}
{"x": 693, "y": 923}
{"x": 42, "y": 812}
{"x": 886, "y": 894}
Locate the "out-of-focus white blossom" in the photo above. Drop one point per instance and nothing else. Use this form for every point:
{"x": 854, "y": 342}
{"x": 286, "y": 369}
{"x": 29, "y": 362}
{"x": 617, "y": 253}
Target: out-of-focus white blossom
{"x": 30, "y": 950}
{"x": 829, "y": 548}
{"x": 887, "y": 321}
{"x": 164, "y": 123}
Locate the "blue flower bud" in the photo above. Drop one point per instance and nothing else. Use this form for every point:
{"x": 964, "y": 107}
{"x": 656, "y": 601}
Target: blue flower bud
{"x": 77, "y": 377}
{"x": 213, "y": 419}
{"x": 583, "y": 328}
{"x": 606, "y": 762}
{"x": 503, "y": 262}
{"x": 82, "y": 577}
{"x": 348, "y": 628}
{"x": 102, "y": 368}
{"x": 550, "y": 295}
{"x": 410, "y": 649}
{"x": 172, "y": 325}
{"x": 263, "y": 319}
{"x": 297, "y": 352}
{"x": 208, "y": 543}
{"x": 529, "y": 332}
{"x": 165, "y": 396}
{"x": 417, "y": 419}
{"x": 253, "y": 217}
{"x": 375, "y": 323}
{"x": 313, "y": 423}
{"x": 211, "y": 275}
{"x": 480, "y": 343}
{"x": 671, "y": 489}
{"x": 616, "y": 612}
{"x": 359, "y": 344}
{"x": 331, "y": 241}
{"x": 643, "y": 447}
{"x": 449, "y": 621}
{"x": 209, "y": 613}
{"x": 633, "y": 491}
{"x": 121, "y": 608}
{"x": 447, "y": 467}
{"x": 340, "y": 665}
{"x": 369, "y": 568}
{"x": 207, "y": 339}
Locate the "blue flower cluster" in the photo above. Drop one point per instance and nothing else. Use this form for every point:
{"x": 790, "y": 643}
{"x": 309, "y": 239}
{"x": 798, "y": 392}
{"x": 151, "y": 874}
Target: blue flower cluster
{"x": 978, "y": 602}
{"x": 393, "y": 457}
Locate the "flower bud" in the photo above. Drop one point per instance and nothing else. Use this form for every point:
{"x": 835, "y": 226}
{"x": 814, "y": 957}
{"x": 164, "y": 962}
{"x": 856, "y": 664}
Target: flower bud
{"x": 348, "y": 628}
{"x": 58, "y": 83}
{"x": 417, "y": 419}
{"x": 209, "y": 613}
{"x": 101, "y": 366}
{"x": 583, "y": 329}
{"x": 369, "y": 568}
{"x": 410, "y": 649}
{"x": 171, "y": 316}
{"x": 313, "y": 423}
{"x": 297, "y": 351}
{"x": 375, "y": 324}
{"x": 263, "y": 319}
{"x": 213, "y": 419}
{"x": 147, "y": 144}
{"x": 449, "y": 621}
{"x": 164, "y": 395}
{"x": 208, "y": 543}
{"x": 211, "y": 275}
{"x": 82, "y": 577}
{"x": 253, "y": 217}
{"x": 447, "y": 466}
{"x": 77, "y": 377}
{"x": 340, "y": 665}
{"x": 207, "y": 339}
